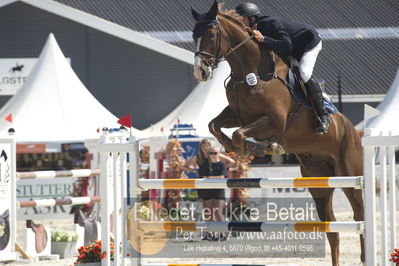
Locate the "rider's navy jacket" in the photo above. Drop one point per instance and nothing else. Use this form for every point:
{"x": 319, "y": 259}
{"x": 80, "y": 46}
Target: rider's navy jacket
{"x": 287, "y": 37}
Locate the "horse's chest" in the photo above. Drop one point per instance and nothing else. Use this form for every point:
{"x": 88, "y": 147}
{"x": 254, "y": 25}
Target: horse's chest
{"x": 247, "y": 105}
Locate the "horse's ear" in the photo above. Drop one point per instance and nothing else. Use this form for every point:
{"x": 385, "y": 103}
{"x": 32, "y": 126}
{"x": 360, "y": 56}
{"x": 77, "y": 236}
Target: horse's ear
{"x": 213, "y": 11}
{"x": 221, "y": 5}
{"x": 195, "y": 14}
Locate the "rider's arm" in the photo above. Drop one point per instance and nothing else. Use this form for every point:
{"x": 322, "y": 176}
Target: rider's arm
{"x": 275, "y": 37}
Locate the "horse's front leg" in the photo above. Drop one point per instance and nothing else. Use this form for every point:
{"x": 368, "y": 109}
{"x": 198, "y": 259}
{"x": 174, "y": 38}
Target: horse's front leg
{"x": 226, "y": 119}
{"x": 263, "y": 128}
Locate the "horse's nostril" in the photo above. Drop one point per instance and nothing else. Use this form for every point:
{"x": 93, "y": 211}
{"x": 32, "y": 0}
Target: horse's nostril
{"x": 203, "y": 73}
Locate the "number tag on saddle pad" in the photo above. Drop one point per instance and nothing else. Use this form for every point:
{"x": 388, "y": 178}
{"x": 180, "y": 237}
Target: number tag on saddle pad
{"x": 251, "y": 79}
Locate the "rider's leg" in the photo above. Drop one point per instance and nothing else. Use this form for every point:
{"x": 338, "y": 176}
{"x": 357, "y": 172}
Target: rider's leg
{"x": 313, "y": 89}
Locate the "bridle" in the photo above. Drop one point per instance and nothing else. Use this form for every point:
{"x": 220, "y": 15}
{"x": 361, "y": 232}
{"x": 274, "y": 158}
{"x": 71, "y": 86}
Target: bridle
{"x": 215, "y": 56}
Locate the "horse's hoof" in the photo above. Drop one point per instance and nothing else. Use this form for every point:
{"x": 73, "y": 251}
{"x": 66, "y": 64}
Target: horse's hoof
{"x": 277, "y": 149}
{"x": 258, "y": 150}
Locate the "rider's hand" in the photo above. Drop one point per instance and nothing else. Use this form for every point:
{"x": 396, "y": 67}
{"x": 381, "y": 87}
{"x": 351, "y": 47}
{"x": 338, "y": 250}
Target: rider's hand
{"x": 258, "y": 35}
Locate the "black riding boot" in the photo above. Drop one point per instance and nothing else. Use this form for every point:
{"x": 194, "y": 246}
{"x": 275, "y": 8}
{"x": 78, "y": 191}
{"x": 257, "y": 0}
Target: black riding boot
{"x": 316, "y": 96}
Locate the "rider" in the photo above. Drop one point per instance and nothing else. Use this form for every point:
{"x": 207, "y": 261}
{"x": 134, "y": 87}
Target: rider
{"x": 290, "y": 38}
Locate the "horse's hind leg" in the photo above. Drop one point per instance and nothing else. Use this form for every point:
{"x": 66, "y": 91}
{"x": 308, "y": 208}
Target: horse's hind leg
{"x": 311, "y": 166}
{"x": 323, "y": 199}
{"x": 355, "y": 198}
{"x": 351, "y": 164}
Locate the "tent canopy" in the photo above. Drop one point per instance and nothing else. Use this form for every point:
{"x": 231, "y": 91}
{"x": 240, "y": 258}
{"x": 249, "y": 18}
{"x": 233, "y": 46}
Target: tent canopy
{"x": 53, "y": 106}
{"x": 387, "y": 120}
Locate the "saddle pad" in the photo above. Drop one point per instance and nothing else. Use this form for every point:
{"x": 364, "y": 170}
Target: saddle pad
{"x": 296, "y": 91}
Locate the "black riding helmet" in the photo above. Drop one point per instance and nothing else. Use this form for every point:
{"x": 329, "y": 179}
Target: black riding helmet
{"x": 248, "y": 10}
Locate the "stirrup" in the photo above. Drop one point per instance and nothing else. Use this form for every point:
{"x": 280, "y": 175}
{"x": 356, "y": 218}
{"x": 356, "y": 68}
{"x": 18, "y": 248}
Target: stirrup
{"x": 322, "y": 126}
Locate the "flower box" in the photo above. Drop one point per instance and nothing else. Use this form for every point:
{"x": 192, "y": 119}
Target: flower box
{"x": 64, "y": 249}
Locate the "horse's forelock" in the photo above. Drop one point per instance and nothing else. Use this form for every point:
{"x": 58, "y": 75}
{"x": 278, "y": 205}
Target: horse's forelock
{"x": 202, "y": 24}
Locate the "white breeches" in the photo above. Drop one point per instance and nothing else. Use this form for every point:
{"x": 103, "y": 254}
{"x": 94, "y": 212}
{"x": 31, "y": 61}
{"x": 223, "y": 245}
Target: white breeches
{"x": 308, "y": 61}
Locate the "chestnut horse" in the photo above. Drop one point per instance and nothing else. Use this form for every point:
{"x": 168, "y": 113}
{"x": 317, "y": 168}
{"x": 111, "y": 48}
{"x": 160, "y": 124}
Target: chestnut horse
{"x": 268, "y": 113}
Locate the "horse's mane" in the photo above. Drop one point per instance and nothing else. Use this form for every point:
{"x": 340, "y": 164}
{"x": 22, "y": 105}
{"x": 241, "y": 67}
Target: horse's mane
{"x": 232, "y": 16}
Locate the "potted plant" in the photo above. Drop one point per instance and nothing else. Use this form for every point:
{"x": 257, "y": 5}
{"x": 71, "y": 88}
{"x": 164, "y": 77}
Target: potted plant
{"x": 395, "y": 256}
{"x": 91, "y": 255}
{"x": 63, "y": 243}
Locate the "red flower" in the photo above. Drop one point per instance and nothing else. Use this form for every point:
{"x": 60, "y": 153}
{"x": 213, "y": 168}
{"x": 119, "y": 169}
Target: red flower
{"x": 395, "y": 256}
{"x": 92, "y": 252}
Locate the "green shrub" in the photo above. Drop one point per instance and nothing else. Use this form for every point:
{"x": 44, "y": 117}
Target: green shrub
{"x": 63, "y": 236}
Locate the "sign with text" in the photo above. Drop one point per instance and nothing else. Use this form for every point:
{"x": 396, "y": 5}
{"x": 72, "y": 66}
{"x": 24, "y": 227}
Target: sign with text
{"x": 257, "y": 228}
{"x": 31, "y": 148}
{"x": 35, "y": 189}
{"x": 14, "y": 72}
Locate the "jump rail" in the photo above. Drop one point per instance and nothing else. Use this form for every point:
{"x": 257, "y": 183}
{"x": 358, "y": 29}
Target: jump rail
{"x": 62, "y": 173}
{"x": 54, "y": 202}
{"x": 271, "y": 182}
{"x": 173, "y": 264}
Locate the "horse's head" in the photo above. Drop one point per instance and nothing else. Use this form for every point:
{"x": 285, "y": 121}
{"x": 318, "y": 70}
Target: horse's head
{"x": 207, "y": 36}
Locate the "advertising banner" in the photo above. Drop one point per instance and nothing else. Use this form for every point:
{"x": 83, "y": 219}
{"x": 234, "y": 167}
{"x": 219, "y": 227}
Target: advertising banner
{"x": 14, "y": 72}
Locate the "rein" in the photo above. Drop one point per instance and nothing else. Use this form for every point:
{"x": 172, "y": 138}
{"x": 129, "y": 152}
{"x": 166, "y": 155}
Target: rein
{"x": 215, "y": 56}
{"x": 232, "y": 50}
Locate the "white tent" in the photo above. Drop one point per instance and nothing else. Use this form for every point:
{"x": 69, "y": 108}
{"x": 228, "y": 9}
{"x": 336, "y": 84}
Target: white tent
{"x": 54, "y": 106}
{"x": 204, "y": 103}
{"x": 387, "y": 120}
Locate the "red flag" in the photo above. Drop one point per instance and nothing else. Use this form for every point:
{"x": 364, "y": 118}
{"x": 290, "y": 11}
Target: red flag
{"x": 9, "y": 118}
{"x": 98, "y": 130}
{"x": 162, "y": 129}
{"x": 126, "y": 121}
{"x": 178, "y": 121}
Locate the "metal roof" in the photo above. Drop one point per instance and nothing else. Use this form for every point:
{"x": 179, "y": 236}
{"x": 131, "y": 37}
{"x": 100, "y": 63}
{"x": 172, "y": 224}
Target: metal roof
{"x": 114, "y": 29}
{"x": 361, "y": 38}
{"x": 367, "y": 66}
{"x": 171, "y": 15}
{"x": 327, "y": 34}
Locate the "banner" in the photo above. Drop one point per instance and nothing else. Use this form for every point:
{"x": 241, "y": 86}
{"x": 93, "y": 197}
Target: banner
{"x": 14, "y": 72}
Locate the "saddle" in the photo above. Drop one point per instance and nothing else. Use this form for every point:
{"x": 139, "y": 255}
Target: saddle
{"x": 89, "y": 223}
{"x": 40, "y": 235}
{"x": 4, "y": 229}
{"x": 297, "y": 89}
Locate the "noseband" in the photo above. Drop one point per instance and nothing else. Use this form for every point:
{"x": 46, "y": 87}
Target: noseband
{"x": 215, "y": 55}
